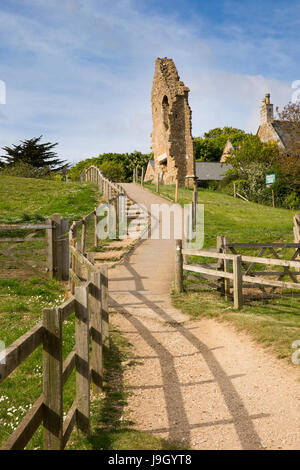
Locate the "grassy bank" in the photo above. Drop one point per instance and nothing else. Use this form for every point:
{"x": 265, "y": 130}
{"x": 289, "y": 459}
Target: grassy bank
{"x": 274, "y": 323}
{"x": 240, "y": 221}
{"x": 32, "y": 199}
{"x": 24, "y": 294}
{"x": 22, "y": 299}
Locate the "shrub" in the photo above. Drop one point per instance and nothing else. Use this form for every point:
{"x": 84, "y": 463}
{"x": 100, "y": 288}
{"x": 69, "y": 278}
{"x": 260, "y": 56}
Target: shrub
{"x": 113, "y": 171}
{"x": 26, "y": 171}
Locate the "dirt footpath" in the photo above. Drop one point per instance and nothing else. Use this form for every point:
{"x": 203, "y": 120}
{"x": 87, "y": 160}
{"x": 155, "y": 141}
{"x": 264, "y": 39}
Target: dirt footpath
{"x": 201, "y": 382}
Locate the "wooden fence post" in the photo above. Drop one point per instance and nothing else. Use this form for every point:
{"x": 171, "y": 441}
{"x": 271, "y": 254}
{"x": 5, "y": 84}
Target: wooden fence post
{"x": 72, "y": 259}
{"x": 220, "y": 267}
{"x": 82, "y": 359}
{"x": 101, "y": 184}
{"x": 226, "y": 268}
{"x": 104, "y": 304}
{"x": 178, "y": 267}
{"x": 96, "y": 330}
{"x": 195, "y": 203}
{"x": 83, "y": 236}
{"x": 237, "y": 282}
{"x": 95, "y": 227}
{"x": 157, "y": 184}
{"x": 58, "y": 248}
{"x": 52, "y": 380}
{"x": 185, "y": 258}
{"x": 142, "y": 177}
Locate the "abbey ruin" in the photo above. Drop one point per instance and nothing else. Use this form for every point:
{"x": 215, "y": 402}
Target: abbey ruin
{"x": 172, "y": 141}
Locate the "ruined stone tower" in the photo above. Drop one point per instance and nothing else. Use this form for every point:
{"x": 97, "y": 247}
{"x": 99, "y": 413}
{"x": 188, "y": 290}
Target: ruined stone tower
{"x": 172, "y": 141}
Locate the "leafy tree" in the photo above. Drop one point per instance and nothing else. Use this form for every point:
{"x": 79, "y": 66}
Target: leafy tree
{"x": 250, "y": 164}
{"x": 114, "y": 171}
{"x": 210, "y": 147}
{"x": 252, "y": 150}
{"x": 207, "y": 150}
{"x": 35, "y": 154}
{"x": 126, "y": 162}
{"x": 290, "y": 156}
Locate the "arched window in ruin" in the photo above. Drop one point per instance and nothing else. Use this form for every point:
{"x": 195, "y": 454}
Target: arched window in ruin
{"x": 165, "y": 110}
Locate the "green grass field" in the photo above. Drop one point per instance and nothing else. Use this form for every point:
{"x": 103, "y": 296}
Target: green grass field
{"x": 240, "y": 221}
{"x": 23, "y": 296}
{"x": 274, "y": 323}
{"x": 31, "y": 199}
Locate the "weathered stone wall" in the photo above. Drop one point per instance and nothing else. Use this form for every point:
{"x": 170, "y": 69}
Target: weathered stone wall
{"x": 172, "y": 141}
{"x": 149, "y": 175}
{"x": 266, "y": 133}
{"x": 228, "y": 150}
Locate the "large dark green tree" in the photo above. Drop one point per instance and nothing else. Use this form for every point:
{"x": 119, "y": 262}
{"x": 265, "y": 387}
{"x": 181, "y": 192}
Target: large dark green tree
{"x": 34, "y": 153}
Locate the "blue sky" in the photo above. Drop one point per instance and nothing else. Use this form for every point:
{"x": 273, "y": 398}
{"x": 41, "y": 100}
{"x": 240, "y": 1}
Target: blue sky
{"x": 80, "y": 71}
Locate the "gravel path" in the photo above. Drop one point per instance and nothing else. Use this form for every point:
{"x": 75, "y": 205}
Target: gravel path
{"x": 201, "y": 382}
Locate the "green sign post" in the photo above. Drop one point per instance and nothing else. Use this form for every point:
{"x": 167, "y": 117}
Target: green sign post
{"x": 270, "y": 179}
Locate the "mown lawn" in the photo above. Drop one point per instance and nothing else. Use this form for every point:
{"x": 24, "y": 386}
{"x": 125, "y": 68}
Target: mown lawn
{"x": 273, "y": 322}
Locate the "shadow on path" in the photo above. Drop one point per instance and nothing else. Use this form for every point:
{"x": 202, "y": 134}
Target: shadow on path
{"x": 179, "y": 426}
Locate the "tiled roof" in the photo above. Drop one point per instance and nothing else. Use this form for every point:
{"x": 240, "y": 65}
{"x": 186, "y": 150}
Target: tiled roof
{"x": 211, "y": 171}
{"x": 287, "y": 131}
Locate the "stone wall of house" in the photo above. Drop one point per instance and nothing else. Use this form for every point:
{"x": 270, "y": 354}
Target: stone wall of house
{"x": 266, "y": 133}
{"x": 149, "y": 175}
{"x": 172, "y": 142}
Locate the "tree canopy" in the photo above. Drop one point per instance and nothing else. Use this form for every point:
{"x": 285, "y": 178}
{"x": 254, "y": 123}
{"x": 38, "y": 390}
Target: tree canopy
{"x": 116, "y": 166}
{"x": 210, "y": 147}
{"x": 34, "y": 153}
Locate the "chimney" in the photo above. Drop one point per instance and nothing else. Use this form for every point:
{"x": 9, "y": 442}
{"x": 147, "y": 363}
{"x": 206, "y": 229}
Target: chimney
{"x": 266, "y": 111}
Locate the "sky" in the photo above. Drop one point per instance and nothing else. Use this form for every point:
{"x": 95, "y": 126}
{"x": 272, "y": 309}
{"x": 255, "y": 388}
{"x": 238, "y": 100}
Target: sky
{"x": 79, "y": 72}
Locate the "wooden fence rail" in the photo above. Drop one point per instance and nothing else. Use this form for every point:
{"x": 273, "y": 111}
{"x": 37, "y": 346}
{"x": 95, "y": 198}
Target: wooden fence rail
{"x": 90, "y": 307}
{"x": 109, "y": 189}
{"x": 89, "y": 302}
{"x": 236, "y": 276}
{"x": 56, "y": 246}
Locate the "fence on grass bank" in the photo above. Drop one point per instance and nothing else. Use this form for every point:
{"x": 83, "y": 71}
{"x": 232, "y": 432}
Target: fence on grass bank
{"x": 225, "y": 273}
{"x": 109, "y": 189}
{"x": 66, "y": 259}
{"x": 55, "y": 248}
{"x": 90, "y": 306}
{"x": 89, "y": 302}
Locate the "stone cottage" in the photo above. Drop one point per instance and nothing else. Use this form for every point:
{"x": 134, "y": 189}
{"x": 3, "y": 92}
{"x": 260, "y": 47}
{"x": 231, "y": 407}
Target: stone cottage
{"x": 272, "y": 130}
{"x": 172, "y": 142}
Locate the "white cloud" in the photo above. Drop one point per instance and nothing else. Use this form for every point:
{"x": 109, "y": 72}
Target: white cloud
{"x": 83, "y": 75}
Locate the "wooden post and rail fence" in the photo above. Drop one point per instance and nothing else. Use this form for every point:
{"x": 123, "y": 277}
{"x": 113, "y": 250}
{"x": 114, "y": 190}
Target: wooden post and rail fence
{"x": 236, "y": 275}
{"x": 89, "y": 302}
{"x": 89, "y": 305}
{"x": 66, "y": 259}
